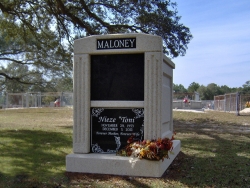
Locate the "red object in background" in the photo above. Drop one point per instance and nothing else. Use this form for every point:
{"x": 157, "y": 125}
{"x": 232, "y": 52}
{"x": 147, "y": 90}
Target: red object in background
{"x": 57, "y": 103}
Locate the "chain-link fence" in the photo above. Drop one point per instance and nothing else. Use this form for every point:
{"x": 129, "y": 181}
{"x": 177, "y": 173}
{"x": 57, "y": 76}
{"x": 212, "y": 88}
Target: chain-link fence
{"x": 244, "y": 103}
{"x": 232, "y": 102}
{"x": 2, "y": 100}
{"x": 36, "y": 99}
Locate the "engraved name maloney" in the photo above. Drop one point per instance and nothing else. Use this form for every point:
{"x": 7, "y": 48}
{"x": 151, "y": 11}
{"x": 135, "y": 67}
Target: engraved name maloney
{"x": 121, "y": 43}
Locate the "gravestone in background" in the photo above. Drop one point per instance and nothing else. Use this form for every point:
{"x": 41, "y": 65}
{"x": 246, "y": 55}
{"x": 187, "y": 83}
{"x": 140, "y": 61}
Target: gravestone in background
{"x": 122, "y": 87}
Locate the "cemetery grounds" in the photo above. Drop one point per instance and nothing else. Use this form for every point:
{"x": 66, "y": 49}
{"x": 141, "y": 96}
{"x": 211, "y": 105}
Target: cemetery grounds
{"x": 215, "y": 151}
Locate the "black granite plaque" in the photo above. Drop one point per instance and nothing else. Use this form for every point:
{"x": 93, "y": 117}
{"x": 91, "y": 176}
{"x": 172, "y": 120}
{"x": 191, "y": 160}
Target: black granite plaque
{"x": 111, "y": 128}
{"x": 118, "y": 77}
{"x": 119, "y": 43}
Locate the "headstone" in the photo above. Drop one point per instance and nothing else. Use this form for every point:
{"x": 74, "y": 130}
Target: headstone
{"x": 122, "y": 87}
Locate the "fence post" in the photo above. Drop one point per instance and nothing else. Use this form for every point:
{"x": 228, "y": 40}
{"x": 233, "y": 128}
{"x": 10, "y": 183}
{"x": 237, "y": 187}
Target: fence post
{"x": 27, "y": 100}
{"x": 237, "y": 103}
{"x": 35, "y": 100}
{"x": 225, "y": 102}
{"x": 22, "y": 100}
{"x": 7, "y": 101}
{"x": 230, "y": 103}
{"x": 61, "y": 97}
{"x": 39, "y": 99}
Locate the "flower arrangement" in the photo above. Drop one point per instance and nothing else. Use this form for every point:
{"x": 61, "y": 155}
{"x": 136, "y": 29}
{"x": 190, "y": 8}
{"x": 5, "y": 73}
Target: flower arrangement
{"x": 247, "y": 104}
{"x": 148, "y": 149}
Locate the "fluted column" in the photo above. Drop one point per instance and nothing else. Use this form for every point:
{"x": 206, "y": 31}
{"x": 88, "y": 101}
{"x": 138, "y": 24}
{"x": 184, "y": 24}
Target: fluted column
{"x": 153, "y": 95}
{"x": 81, "y": 103}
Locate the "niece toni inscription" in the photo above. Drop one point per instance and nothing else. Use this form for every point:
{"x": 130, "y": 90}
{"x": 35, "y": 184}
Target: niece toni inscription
{"x": 111, "y": 128}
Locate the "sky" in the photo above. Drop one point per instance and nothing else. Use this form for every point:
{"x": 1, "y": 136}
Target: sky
{"x": 220, "y": 49}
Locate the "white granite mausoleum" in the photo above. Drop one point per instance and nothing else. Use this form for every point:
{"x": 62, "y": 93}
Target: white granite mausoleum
{"x": 156, "y": 102}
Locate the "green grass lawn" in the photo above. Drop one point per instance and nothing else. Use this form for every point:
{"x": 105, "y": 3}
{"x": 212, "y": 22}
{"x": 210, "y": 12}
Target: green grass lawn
{"x": 215, "y": 151}
{"x": 33, "y": 146}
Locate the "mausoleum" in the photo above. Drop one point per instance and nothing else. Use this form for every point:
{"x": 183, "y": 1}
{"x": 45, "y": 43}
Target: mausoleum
{"x": 122, "y": 87}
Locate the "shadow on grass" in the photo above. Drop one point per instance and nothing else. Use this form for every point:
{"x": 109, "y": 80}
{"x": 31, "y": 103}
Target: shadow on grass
{"x": 65, "y": 127}
{"x": 211, "y": 158}
{"x": 210, "y": 125}
{"x": 37, "y": 159}
{"x": 103, "y": 180}
{"x": 244, "y": 114}
{"x": 33, "y": 158}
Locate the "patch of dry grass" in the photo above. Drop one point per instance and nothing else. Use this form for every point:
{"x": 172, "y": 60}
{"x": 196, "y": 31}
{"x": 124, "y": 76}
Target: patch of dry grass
{"x": 36, "y": 118}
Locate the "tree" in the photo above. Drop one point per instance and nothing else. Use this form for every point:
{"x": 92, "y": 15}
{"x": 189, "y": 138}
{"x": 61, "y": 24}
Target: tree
{"x": 40, "y": 33}
{"x": 246, "y": 88}
{"x": 63, "y": 84}
{"x": 22, "y": 80}
{"x": 202, "y": 90}
{"x": 41, "y": 55}
{"x": 213, "y": 90}
{"x": 14, "y": 86}
{"x": 225, "y": 89}
{"x": 193, "y": 87}
{"x": 179, "y": 91}
{"x": 179, "y": 88}
{"x": 208, "y": 92}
